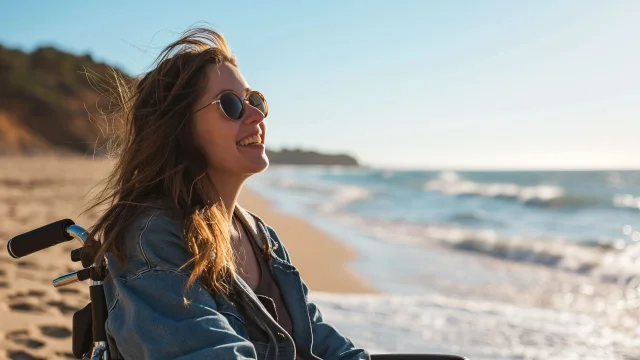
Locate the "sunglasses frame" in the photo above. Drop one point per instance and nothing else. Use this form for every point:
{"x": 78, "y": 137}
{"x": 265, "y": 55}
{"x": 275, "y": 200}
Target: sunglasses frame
{"x": 243, "y": 100}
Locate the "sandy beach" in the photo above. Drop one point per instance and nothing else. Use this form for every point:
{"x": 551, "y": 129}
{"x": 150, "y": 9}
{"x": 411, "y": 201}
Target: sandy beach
{"x": 36, "y": 318}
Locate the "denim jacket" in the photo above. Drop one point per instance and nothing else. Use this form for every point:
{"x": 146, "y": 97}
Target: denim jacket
{"x": 147, "y": 318}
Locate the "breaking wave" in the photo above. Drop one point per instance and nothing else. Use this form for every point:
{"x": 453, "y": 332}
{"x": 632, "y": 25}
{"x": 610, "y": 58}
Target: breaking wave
{"x": 451, "y": 183}
{"x": 612, "y": 260}
{"x": 627, "y": 201}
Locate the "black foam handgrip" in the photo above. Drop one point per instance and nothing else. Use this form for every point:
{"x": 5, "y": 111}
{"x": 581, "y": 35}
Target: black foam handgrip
{"x": 40, "y": 238}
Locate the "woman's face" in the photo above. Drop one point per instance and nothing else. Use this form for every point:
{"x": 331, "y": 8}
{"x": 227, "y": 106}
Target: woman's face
{"x": 218, "y": 137}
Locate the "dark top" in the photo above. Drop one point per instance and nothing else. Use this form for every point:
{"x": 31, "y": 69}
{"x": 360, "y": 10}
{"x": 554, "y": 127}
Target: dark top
{"x": 269, "y": 295}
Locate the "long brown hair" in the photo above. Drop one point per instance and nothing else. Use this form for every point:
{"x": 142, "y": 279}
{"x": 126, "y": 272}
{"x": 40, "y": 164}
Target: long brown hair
{"x": 157, "y": 158}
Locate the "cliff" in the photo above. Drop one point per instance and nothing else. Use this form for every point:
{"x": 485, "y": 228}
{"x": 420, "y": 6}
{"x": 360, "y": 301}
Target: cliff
{"x": 46, "y": 102}
{"x": 301, "y": 157}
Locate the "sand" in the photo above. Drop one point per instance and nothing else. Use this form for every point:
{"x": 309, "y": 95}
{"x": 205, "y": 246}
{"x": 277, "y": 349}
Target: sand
{"x": 35, "y": 317}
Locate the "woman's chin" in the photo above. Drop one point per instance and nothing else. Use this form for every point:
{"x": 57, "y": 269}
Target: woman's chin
{"x": 257, "y": 165}
{"x": 250, "y": 160}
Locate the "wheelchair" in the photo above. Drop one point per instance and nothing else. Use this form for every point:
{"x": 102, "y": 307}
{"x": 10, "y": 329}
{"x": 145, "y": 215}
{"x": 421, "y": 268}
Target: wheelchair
{"x": 89, "y": 338}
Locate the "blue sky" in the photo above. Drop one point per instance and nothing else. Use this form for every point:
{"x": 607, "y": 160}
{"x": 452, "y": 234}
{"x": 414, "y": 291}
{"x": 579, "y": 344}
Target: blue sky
{"x": 410, "y": 84}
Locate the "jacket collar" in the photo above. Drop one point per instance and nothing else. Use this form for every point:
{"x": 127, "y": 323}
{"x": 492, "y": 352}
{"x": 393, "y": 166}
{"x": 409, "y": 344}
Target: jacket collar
{"x": 254, "y": 225}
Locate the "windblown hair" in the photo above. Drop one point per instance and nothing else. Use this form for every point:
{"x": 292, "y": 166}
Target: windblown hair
{"x": 157, "y": 158}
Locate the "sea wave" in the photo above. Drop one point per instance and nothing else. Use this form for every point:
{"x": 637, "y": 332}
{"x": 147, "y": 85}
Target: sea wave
{"x": 451, "y": 183}
{"x": 344, "y": 195}
{"x": 335, "y": 196}
{"x": 611, "y": 260}
{"x": 627, "y": 201}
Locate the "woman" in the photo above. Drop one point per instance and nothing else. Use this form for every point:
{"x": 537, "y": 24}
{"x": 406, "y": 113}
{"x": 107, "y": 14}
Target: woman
{"x": 192, "y": 275}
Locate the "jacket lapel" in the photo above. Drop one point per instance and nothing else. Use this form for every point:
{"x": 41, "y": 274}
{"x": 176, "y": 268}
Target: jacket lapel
{"x": 249, "y": 221}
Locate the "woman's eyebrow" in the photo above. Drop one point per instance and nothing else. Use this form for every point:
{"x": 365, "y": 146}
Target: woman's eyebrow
{"x": 246, "y": 91}
{"x": 221, "y": 92}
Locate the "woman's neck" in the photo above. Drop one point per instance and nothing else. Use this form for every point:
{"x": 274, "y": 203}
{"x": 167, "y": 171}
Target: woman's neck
{"x": 228, "y": 188}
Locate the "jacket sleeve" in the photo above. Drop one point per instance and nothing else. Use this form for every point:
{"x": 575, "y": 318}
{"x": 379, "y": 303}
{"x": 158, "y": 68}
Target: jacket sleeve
{"x": 328, "y": 343}
{"x": 149, "y": 319}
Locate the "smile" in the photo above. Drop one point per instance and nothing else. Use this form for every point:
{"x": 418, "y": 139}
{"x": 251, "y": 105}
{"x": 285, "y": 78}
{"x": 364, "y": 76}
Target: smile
{"x": 250, "y": 140}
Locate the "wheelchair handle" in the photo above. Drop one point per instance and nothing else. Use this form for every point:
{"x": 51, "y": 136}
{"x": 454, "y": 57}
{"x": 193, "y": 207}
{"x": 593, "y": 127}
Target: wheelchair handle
{"x": 44, "y": 237}
{"x": 72, "y": 277}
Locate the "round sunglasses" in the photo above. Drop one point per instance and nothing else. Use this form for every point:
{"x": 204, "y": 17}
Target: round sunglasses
{"x": 233, "y": 106}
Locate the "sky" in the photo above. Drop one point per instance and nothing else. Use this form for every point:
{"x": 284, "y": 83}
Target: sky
{"x": 464, "y": 84}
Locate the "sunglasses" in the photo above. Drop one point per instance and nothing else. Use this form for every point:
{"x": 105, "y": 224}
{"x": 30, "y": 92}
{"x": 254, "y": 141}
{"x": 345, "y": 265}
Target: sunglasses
{"x": 233, "y": 106}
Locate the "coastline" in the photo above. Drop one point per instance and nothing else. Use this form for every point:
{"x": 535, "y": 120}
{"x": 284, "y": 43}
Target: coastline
{"x": 436, "y": 299}
{"x": 323, "y": 261}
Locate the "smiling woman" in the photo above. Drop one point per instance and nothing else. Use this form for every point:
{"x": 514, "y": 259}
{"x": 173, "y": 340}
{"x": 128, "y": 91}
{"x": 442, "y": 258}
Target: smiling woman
{"x": 193, "y": 275}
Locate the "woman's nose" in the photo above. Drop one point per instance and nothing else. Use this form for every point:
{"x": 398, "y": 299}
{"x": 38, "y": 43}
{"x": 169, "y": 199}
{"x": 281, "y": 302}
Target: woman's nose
{"x": 253, "y": 115}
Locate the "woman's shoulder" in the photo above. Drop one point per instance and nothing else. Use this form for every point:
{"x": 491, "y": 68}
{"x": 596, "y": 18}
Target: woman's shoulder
{"x": 152, "y": 218}
{"x": 152, "y": 240}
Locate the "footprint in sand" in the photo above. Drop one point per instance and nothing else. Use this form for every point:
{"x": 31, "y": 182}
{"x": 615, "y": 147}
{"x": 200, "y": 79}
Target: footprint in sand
{"x": 21, "y": 337}
{"x": 3, "y": 284}
{"x": 30, "y": 301}
{"x": 35, "y": 301}
{"x": 26, "y": 306}
{"x": 30, "y": 293}
{"x": 66, "y": 355}
{"x": 63, "y": 307}
{"x": 21, "y": 355}
{"x": 29, "y": 265}
{"x": 70, "y": 291}
{"x": 55, "y": 331}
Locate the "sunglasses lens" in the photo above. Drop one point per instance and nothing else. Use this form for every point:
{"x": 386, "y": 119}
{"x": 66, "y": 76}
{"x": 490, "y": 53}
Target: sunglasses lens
{"x": 258, "y": 101}
{"x": 231, "y": 105}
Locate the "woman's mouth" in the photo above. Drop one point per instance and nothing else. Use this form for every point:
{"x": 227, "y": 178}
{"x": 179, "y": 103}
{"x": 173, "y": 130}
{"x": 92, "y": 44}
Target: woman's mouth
{"x": 250, "y": 140}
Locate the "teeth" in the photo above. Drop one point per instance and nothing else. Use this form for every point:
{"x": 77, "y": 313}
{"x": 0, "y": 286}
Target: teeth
{"x": 256, "y": 139}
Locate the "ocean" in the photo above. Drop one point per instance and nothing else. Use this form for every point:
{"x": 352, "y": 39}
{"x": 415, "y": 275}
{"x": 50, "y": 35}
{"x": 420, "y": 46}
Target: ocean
{"x": 485, "y": 264}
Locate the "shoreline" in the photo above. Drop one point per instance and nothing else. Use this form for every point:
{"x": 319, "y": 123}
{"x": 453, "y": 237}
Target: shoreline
{"x": 323, "y": 261}
{"x": 430, "y": 298}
